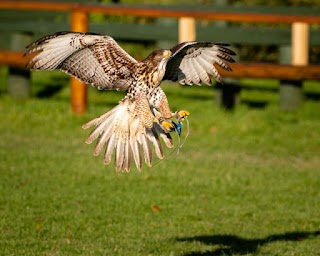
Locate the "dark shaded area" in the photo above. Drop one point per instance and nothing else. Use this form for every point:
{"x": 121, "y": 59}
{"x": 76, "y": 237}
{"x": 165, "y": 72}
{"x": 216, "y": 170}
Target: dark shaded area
{"x": 19, "y": 71}
{"x": 227, "y": 95}
{"x": 312, "y": 95}
{"x": 49, "y": 91}
{"x": 255, "y": 103}
{"x": 51, "y": 87}
{"x": 259, "y": 88}
{"x": 232, "y": 244}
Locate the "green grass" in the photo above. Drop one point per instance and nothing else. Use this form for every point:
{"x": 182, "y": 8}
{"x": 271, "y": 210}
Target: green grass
{"x": 246, "y": 182}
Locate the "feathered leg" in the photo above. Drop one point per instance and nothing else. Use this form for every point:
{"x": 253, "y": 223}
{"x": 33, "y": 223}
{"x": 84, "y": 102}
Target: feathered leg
{"x": 160, "y": 101}
{"x": 143, "y": 110}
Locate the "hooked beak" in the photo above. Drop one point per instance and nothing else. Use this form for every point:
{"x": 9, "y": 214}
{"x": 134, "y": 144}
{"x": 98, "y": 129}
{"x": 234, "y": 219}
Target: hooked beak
{"x": 167, "y": 54}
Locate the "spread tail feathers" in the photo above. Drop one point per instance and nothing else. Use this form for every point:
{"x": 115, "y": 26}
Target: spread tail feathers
{"x": 121, "y": 131}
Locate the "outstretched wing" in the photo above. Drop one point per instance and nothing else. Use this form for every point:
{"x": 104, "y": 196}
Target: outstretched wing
{"x": 193, "y": 62}
{"x": 92, "y": 58}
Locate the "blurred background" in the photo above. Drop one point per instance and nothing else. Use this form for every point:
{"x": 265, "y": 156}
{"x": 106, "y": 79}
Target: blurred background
{"x": 246, "y": 181}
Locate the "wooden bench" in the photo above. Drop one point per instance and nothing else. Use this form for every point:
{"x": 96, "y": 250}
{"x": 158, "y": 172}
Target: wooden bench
{"x": 182, "y": 22}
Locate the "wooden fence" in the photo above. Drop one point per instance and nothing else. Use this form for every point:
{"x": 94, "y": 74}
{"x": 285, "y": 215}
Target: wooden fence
{"x": 297, "y": 70}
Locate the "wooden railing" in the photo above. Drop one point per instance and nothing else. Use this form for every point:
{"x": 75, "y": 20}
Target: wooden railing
{"x": 159, "y": 12}
{"x": 298, "y": 70}
{"x": 240, "y": 69}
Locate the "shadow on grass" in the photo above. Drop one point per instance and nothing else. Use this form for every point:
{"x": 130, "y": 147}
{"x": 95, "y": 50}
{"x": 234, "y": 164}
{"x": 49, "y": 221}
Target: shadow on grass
{"x": 49, "y": 91}
{"x": 52, "y": 87}
{"x": 232, "y": 244}
{"x": 312, "y": 96}
{"x": 255, "y": 104}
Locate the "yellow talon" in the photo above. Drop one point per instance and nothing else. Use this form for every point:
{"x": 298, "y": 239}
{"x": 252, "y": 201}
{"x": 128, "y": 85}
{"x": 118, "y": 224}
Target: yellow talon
{"x": 168, "y": 126}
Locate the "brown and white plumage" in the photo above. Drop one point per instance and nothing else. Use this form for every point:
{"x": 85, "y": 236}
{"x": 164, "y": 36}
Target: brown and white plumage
{"x": 131, "y": 130}
{"x": 94, "y": 59}
{"x": 193, "y": 62}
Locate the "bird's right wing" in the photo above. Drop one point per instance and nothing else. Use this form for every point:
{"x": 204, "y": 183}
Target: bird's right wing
{"x": 92, "y": 58}
{"x": 193, "y": 62}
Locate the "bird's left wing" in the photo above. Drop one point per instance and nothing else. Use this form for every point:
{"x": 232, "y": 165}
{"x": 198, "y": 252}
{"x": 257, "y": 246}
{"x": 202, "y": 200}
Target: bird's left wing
{"x": 93, "y": 58}
{"x": 193, "y": 62}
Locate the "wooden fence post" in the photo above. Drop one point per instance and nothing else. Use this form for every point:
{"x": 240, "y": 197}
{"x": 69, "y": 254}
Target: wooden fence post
{"x": 187, "y": 29}
{"x": 19, "y": 78}
{"x": 79, "y": 23}
{"x": 291, "y": 91}
{"x": 300, "y": 43}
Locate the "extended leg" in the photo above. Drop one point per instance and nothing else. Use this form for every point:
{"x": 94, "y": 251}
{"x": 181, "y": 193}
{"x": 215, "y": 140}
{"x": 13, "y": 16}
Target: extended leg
{"x": 143, "y": 110}
{"x": 159, "y": 100}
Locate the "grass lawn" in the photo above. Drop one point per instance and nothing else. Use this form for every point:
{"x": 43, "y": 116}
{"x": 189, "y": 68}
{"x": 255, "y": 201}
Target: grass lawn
{"x": 245, "y": 183}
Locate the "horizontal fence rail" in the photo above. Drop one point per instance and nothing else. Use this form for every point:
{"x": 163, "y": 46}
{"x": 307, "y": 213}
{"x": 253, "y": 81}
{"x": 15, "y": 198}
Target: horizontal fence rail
{"x": 240, "y": 70}
{"x": 160, "y": 12}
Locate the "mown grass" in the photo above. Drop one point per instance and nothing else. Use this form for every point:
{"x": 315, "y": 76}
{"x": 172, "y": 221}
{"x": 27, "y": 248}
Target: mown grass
{"x": 246, "y": 182}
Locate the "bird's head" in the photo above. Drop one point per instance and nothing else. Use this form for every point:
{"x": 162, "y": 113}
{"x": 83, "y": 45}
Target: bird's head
{"x": 155, "y": 66}
{"x": 158, "y": 56}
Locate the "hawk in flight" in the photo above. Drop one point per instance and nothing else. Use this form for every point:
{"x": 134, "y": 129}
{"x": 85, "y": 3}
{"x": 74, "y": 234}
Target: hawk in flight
{"x": 132, "y": 128}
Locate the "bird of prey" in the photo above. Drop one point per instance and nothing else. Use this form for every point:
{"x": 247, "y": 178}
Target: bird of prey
{"x": 131, "y": 130}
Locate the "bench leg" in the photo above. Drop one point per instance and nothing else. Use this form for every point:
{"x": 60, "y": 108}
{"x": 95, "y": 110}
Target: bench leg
{"x": 19, "y": 78}
{"x": 290, "y": 95}
{"x": 19, "y": 83}
{"x": 227, "y": 95}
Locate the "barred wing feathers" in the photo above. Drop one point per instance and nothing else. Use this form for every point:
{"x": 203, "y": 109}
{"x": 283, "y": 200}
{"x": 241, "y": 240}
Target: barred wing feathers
{"x": 193, "y": 62}
{"x": 92, "y": 58}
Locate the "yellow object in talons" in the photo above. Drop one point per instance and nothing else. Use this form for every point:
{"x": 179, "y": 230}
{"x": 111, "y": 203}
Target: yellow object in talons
{"x": 181, "y": 115}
